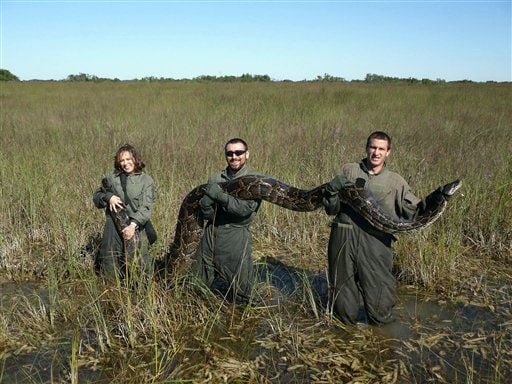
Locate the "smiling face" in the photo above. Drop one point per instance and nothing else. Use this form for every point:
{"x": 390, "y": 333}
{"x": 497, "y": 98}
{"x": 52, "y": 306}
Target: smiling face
{"x": 236, "y": 156}
{"x": 377, "y": 152}
{"x": 127, "y": 162}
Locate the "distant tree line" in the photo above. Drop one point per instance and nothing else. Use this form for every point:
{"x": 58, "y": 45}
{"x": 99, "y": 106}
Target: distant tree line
{"x": 87, "y": 77}
{"x": 371, "y": 78}
{"x": 330, "y": 79}
{"x": 245, "y": 78}
{"x": 6, "y": 75}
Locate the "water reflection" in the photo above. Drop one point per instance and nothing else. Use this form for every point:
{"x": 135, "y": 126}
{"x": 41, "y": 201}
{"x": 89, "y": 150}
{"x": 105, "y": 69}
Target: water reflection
{"x": 438, "y": 341}
{"x": 51, "y": 361}
{"x": 430, "y": 336}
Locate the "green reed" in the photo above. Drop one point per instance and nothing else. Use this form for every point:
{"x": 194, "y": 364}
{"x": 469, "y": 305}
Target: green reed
{"x": 59, "y": 139}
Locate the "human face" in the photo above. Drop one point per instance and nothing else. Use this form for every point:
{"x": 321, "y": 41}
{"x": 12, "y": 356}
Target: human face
{"x": 127, "y": 162}
{"x": 236, "y": 162}
{"x": 377, "y": 152}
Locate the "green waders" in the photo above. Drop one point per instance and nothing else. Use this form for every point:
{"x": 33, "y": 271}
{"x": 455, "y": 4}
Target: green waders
{"x": 360, "y": 268}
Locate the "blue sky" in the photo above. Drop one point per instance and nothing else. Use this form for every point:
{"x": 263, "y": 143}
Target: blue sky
{"x": 294, "y": 40}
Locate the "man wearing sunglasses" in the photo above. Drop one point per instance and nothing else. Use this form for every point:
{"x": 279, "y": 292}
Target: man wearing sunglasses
{"x": 224, "y": 256}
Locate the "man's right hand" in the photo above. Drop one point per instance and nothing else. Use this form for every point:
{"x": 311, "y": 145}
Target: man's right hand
{"x": 206, "y": 201}
{"x": 338, "y": 183}
{"x": 215, "y": 192}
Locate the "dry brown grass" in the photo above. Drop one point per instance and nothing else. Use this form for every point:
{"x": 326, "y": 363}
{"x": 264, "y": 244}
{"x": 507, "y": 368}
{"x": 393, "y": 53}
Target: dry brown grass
{"x": 59, "y": 139}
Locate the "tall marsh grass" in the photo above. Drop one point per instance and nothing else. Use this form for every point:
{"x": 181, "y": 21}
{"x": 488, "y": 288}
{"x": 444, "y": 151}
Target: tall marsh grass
{"x": 59, "y": 139}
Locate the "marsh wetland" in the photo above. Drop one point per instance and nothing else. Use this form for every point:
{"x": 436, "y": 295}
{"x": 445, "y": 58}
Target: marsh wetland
{"x": 60, "y": 322}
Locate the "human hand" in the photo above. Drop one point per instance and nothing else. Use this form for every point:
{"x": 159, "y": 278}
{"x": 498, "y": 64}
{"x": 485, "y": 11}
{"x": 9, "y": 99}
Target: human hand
{"x": 214, "y": 191}
{"x": 129, "y": 232}
{"x": 115, "y": 203}
{"x": 206, "y": 201}
{"x": 436, "y": 197}
{"x": 338, "y": 183}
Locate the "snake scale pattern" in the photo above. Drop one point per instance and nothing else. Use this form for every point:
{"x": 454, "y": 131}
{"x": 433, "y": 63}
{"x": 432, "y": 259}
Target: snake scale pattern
{"x": 189, "y": 226}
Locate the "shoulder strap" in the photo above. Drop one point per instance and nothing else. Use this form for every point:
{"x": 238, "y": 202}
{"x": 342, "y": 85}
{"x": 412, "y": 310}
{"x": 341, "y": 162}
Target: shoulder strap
{"x": 126, "y": 199}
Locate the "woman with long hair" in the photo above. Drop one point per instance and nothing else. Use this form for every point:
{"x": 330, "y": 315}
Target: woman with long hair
{"x": 129, "y": 192}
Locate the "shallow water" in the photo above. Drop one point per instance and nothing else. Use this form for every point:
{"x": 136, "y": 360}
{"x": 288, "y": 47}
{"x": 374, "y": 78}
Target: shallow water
{"x": 430, "y": 335}
{"x": 10, "y": 291}
{"x": 439, "y": 341}
{"x": 49, "y": 363}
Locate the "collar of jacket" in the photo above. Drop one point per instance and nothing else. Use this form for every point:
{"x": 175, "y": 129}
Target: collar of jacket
{"x": 362, "y": 165}
{"x": 244, "y": 171}
{"x": 130, "y": 174}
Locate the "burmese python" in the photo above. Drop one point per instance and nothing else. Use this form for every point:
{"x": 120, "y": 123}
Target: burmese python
{"x": 190, "y": 225}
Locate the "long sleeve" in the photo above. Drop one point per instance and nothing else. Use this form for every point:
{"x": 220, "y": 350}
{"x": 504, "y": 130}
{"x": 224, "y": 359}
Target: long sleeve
{"x": 331, "y": 199}
{"x": 239, "y": 207}
{"x": 223, "y": 208}
{"x": 228, "y": 205}
{"x": 409, "y": 205}
{"x": 103, "y": 194}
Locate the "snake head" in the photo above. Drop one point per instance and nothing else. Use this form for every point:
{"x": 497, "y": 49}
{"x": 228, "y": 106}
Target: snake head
{"x": 123, "y": 217}
{"x": 450, "y": 188}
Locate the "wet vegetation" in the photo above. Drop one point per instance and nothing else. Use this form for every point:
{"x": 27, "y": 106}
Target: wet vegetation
{"x": 61, "y": 322}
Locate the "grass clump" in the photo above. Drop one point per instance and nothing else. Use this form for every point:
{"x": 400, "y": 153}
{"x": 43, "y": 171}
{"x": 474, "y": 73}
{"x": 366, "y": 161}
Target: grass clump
{"x": 60, "y": 138}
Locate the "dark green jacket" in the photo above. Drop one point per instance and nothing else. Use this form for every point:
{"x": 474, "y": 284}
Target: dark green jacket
{"x": 224, "y": 256}
{"x": 389, "y": 189}
{"x": 141, "y": 192}
{"x": 236, "y": 212}
{"x": 140, "y": 189}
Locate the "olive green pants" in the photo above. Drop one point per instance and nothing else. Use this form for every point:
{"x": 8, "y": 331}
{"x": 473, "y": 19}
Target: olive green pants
{"x": 114, "y": 261}
{"x": 223, "y": 261}
{"x": 360, "y": 272}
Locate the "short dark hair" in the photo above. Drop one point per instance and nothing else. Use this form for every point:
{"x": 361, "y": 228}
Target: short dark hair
{"x": 234, "y": 141}
{"x": 139, "y": 164}
{"x": 379, "y": 135}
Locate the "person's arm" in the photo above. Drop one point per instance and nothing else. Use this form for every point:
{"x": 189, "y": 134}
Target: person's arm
{"x": 103, "y": 194}
{"x": 409, "y": 205}
{"x": 144, "y": 208}
{"x": 230, "y": 204}
{"x": 331, "y": 197}
{"x": 414, "y": 207}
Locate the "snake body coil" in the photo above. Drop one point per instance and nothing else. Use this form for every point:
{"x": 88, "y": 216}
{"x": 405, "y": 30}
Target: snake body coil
{"x": 189, "y": 226}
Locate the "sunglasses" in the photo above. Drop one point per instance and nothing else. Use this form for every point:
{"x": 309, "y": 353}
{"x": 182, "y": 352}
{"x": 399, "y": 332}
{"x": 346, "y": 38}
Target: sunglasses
{"x": 238, "y": 153}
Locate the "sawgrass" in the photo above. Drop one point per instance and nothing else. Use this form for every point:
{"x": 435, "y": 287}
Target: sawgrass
{"x": 59, "y": 139}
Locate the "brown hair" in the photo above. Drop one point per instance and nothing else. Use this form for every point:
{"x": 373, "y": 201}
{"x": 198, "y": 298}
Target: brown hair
{"x": 139, "y": 164}
{"x": 236, "y": 140}
{"x": 379, "y": 135}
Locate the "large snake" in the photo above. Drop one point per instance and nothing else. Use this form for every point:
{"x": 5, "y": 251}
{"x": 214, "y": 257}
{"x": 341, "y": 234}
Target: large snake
{"x": 189, "y": 226}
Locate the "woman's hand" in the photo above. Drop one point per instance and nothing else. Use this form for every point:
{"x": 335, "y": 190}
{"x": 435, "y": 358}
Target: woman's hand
{"x": 115, "y": 203}
{"x": 129, "y": 231}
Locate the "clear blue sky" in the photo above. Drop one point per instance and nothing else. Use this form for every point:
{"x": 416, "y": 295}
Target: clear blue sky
{"x": 294, "y": 40}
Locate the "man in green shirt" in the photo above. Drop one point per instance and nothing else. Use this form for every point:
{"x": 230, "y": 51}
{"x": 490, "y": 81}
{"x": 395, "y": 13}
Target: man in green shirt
{"x": 224, "y": 256}
{"x": 360, "y": 257}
